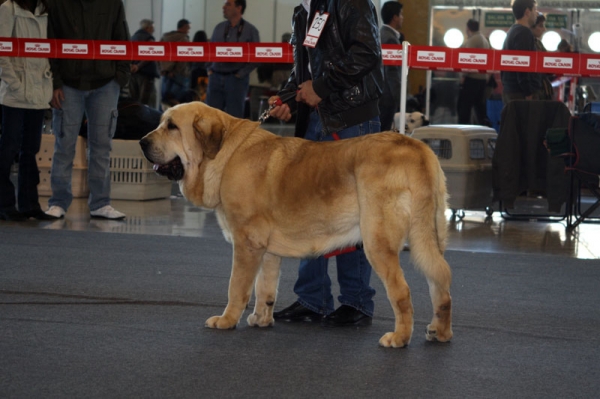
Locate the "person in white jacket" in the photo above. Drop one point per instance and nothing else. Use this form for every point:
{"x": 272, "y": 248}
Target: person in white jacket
{"x": 25, "y": 94}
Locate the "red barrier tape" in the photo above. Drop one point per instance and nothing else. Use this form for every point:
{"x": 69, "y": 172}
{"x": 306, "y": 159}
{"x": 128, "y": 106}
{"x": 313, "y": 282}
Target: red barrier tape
{"x": 156, "y": 51}
{"x": 476, "y": 60}
{"x": 420, "y": 57}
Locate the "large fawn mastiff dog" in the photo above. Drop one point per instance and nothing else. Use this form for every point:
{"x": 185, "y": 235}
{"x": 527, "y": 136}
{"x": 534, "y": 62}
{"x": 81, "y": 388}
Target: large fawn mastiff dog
{"x": 277, "y": 197}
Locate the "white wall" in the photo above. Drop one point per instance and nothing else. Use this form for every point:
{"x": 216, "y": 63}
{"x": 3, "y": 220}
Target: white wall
{"x": 272, "y": 18}
{"x": 194, "y": 11}
{"x": 136, "y": 10}
{"x": 283, "y": 22}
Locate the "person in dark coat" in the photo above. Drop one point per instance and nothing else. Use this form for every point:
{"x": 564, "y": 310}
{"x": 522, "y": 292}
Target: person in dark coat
{"x": 143, "y": 73}
{"x": 389, "y": 104}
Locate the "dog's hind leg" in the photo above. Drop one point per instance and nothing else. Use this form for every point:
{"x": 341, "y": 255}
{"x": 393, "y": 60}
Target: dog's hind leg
{"x": 427, "y": 245}
{"x": 266, "y": 291}
{"x": 382, "y": 242}
{"x": 246, "y": 262}
{"x": 431, "y": 262}
{"x": 440, "y": 328}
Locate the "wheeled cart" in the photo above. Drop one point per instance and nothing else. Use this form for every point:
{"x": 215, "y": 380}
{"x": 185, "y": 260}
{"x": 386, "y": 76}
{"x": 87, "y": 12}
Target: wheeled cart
{"x": 465, "y": 153}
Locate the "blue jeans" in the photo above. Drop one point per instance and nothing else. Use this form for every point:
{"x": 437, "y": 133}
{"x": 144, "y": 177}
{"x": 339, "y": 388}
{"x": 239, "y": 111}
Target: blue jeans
{"x": 22, "y": 135}
{"x": 228, "y": 93}
{"x": 100, "y": 107}
{"x": 313, "y": 286}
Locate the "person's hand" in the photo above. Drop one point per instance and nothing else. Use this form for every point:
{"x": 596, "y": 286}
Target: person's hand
{"x": 57, "y": 98}
{"x": 281, "y": 112}
{"x": 529, "y": 97}
{"x": 307, "y": 94}
{"x": 134, "y": 68}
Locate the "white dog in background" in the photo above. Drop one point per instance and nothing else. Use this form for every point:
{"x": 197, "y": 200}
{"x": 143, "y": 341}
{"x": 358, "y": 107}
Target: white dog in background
{"x": 413, "y": 121}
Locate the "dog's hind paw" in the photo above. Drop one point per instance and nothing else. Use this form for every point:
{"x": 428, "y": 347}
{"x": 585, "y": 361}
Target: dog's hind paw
{"x": 255, "y": 320}
{"x": 433, "y": 335}
{"x": 220, "y": 322}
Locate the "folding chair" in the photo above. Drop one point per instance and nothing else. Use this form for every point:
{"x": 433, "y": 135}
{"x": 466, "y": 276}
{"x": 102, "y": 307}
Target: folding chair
{"x": 521, "y": 162}
{"x": 583, "y": 166}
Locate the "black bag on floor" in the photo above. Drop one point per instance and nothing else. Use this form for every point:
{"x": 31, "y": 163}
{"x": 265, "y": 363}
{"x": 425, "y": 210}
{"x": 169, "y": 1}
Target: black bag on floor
{"x": 135, "y": 120}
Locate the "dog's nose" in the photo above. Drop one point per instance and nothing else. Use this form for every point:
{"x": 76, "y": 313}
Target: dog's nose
{"x": 144, "y": 144}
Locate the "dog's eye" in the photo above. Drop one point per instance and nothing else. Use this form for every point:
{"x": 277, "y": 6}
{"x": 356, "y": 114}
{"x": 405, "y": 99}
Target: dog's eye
{"x": 172, "y": 126}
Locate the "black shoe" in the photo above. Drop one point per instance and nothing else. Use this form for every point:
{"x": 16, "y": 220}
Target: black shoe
{"x": 297, "y": 312}
{"x": 346, "y": 316}
{"x": 38, "y": 214}
{"x": 12, "y": 215}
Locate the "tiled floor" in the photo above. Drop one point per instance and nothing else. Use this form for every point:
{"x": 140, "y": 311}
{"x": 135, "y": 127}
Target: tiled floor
{"x": 475, "y": 232}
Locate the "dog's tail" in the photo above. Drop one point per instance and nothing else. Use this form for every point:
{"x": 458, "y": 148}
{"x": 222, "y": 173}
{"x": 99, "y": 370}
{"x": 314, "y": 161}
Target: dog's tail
{"x": 428, "y": 230}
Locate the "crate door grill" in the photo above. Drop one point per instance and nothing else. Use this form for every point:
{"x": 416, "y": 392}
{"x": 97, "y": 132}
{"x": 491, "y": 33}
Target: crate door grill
{"x": 476, "y": 149}
{"x": 441, "y": 147}
{"x": 133, "y": 170}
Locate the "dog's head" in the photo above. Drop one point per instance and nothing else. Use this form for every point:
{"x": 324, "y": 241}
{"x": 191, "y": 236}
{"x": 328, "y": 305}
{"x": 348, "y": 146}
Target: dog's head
{"x": 413, "y": 121}
{"x": 187, "y": 135}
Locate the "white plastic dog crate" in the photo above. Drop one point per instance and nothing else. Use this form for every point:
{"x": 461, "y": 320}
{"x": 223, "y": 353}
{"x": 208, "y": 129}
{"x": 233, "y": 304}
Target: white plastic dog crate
{"x": 465, "y": 153}
{"x": 132, "y": 176}
{"x": 79, "y": 181}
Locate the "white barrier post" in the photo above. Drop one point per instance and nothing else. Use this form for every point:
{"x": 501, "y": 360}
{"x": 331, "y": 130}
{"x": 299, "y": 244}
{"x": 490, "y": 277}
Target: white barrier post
{"x": 428, "y": 95}
{"x": 403, "y": 87}
{"x": 572, "y": 94}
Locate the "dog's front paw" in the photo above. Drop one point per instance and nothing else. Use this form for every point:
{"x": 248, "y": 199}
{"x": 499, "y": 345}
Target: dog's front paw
{"x": 255, "y": 320}
{"x": 394, "y": 340}
{"x": 221, "y": 323}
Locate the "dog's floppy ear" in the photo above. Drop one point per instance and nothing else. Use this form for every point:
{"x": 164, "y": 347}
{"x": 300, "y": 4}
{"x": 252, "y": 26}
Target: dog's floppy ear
{"x": 425, "y": 121}
{"x": 209, "y": 135}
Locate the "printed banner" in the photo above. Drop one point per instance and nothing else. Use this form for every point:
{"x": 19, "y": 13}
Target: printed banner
{"x": 391, "y": 54}
{"x": 515, "y": 61}
{"x": 590, "y": 65}
{"x": 271, "y": 52}
{"x": 420, "y": 57}
{"x": 473, "y": 60}
{"x": 230, "y": 52}
{"x": 8, "y": 47}
{"x": 113, "y": 50}
{"x": 151, "y": 51}
{"x": 36, "y": 48}
{"x": 558, "y": 63}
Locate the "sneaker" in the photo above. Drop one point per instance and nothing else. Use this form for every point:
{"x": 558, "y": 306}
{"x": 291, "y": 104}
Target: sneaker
{"x": 56, "y": 212}
{"x": 107, "y": 212}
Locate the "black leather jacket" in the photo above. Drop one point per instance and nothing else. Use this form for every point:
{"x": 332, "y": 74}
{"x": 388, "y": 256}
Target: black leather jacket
{"x": 346, "y": 64}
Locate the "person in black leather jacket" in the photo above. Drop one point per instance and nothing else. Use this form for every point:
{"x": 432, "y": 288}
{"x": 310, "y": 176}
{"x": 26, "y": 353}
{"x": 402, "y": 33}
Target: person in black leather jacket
{"x": 338, "y": 79}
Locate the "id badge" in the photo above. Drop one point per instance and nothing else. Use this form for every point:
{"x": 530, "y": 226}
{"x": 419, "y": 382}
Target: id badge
{"x": 315, "y": 30}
